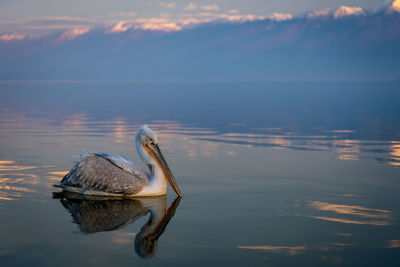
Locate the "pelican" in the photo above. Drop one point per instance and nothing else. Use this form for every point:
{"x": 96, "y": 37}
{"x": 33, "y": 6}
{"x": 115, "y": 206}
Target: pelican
{"x": 104, "y": 174}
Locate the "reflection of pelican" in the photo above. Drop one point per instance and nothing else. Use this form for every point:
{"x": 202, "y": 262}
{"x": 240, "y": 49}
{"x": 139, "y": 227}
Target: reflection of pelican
{"x": 97, "y": 214}
{"x": 112, "y": 175}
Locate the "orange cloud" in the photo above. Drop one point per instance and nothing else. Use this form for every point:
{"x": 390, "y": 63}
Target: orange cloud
{"x": 395, "y": 6}
{"x": 46, "y": 24}
{"x": 119, "y": 27}
{"x": 72, "y": 34}
{"x": 157, "y": 24}
{"x": 344, "y": 11}
{"x": 280, "y": 16}
{"x": 11, "y": 37}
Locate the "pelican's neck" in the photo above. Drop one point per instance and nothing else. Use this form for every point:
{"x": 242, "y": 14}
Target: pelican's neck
{"x": 157, "y": 179}
{"x": 157, "y": 212}
{"x": 157, "y": 182}
{"x": 146, "y": 239}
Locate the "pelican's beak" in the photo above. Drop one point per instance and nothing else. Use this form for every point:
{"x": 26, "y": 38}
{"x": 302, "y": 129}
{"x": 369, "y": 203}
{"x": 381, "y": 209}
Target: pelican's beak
{"x": 155, "y": 151}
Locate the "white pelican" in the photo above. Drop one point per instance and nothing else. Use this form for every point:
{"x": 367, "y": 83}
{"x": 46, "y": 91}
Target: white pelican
{"x": 106, "y": 174}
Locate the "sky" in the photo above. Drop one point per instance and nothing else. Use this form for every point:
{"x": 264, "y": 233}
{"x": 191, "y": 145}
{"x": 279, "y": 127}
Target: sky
{"x": 121, "y": 39}
{"x": 27, "y": 16}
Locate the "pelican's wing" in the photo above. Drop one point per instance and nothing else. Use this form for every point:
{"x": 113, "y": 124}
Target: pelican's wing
{"x": 103, "y": 173}
{"x": 122, "y": 162}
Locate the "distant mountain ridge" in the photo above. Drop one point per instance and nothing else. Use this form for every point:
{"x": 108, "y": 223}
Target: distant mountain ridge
{"x": 347, "y": 44}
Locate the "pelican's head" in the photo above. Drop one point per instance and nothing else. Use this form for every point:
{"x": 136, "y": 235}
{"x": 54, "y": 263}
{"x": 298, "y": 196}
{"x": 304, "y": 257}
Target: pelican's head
{"x": 146, "y": 135}
{"x": 149, "y": 151}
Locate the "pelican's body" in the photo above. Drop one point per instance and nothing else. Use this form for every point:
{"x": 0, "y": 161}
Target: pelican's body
{"x": 113, "y": 175}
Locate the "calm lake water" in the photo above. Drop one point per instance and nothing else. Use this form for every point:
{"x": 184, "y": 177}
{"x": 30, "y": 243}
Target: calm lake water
{"x": 276, "y": 174}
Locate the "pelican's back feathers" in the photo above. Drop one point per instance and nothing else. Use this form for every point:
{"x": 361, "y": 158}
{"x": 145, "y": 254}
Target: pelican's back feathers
{"x": 122, "y": 162}
{"x": 106, "y": 173}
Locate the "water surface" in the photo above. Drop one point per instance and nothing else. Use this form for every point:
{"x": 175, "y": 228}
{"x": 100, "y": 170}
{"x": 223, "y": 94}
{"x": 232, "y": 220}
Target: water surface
{"x": 278, "y": 174}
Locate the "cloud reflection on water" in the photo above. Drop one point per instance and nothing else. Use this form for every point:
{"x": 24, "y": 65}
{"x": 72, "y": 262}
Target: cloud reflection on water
{"x": 17, "y": 179}
{"x": 347, "y": 149}
{"x": 204, "y": 142}
{"x": 120, "y": 130}
{"x": 175, "y": 136}
{"x": 289, "y": 250}
{"x": 395, "y": 243}
{"x": 359, "y": 214}
{"x": 79, "y": 130}
{"x": 297, "y": 250}
{"x": 395, "y": 153}
{"x": 13, "y": 181}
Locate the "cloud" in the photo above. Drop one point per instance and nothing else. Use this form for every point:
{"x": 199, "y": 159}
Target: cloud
{"x": 167, "y": 27}
{"x": 210, "y": 7}
{"x": 233, "y": 11}
{"x": 191, "y": 6}
{"x": 119, "y": 27}
{"x": 154, "y": 24}
{"x": 204, "y": 17}
{"x": 167, "y": 5}
{"x": 47, "y": 24}
{"x": 319, "y": 13}
{"x": 157, "y": 24}
{"x": 7, "y": 37}
{"x": 189, "y": 21}
{"x": 169, "y": 24}
{"x": 243, "y": 18}
{"x": 344, "y": 11}
{"x": 280, "y": 16}
{"x": 395, "y": 6}
{"x": 72, "y": 34}
{"x": 119, "y": 23}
